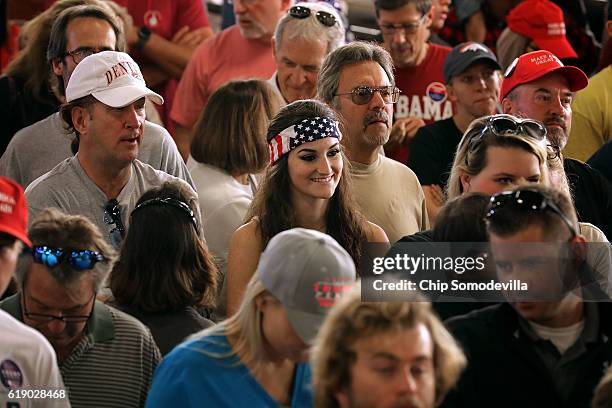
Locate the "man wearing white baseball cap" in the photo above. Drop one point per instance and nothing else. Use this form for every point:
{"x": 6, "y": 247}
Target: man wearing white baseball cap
{"x": 258, "y": 357}
{"x": 105, "y": 108}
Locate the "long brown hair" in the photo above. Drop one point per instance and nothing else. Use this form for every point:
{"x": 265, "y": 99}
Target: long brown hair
{"x": 164, "y": 266}
{"x": 272, "y": 204}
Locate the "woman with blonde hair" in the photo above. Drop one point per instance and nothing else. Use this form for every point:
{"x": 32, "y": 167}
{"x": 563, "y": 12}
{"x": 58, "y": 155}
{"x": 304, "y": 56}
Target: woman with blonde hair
{"x": 258, "y": 357}
{"x": 228, "y": 148}
{"x": 306, "y": 186}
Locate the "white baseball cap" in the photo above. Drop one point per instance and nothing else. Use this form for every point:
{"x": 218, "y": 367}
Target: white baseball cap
{"x": 111, "y": 77}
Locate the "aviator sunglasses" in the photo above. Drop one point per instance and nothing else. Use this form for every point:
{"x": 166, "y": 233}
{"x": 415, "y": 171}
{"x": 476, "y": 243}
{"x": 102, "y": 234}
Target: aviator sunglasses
{"x": 364, "y": 94}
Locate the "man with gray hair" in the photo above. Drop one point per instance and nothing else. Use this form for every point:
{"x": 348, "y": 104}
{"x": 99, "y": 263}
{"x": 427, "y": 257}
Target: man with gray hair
{"x": 80, "y": 31}
{"x": 357, "y": 81}
{"x": 303, "y": 37}
{"x": 106, "y": 357}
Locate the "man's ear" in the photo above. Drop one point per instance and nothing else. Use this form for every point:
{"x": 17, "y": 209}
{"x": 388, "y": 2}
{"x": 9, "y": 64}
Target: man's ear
{"x": 507, "y": 106}
{"x": 578, "y": 248}
{"x": 80, "y": 119}
{"x": 58, "y": 66}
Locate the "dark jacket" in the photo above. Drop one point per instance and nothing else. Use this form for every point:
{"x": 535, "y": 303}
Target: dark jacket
{"x": 504, "y": 370}
{"x": 592, "y": 194}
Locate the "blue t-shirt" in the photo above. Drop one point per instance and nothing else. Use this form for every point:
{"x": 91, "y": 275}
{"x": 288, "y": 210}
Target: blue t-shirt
{"x": 188, "y": 377}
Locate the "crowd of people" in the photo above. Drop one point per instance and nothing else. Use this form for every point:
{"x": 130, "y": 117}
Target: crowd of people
{"x": 189, "y": 217}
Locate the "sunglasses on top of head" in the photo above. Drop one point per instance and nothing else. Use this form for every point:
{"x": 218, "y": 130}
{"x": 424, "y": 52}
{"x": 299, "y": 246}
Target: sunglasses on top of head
{"x": 325, "y": 18}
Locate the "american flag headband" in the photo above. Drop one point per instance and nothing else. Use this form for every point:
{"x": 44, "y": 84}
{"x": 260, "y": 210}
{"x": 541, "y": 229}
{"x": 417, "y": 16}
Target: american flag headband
{"x": 305, "y": 131}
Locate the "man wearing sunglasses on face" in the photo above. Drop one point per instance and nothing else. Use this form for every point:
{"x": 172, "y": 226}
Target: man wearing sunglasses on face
{"x": 405, "y": 27}
{"x": 356, "y": 80}
{"x": 303, "y": 37}
{"x": 547, "y": 346}
{"x": 27, "y": 360}
{"x": 243, "y": 50}
{"x": 105, "y": 108}
{"x": 106, "y": 357}
{"x": 78, "y": 32}
{"x": 538, "y": 86}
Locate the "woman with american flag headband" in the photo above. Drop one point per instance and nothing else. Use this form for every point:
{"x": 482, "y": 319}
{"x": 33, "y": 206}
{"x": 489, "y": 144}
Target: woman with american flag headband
{"x": 305, "y": 186}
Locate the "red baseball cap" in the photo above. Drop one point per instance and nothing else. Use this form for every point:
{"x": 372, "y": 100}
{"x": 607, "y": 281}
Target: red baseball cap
{"x": 542, "y": 22}
{"x": 13, "y": 210}
{"x": 534, "y": 65}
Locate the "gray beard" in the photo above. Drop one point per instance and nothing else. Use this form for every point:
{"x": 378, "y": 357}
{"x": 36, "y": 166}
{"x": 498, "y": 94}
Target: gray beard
{"x": 557, "y": 137}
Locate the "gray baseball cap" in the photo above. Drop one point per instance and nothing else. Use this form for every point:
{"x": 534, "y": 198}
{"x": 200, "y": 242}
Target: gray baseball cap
{"x": 308, "y": 272}
{"x": 464, "y": 55}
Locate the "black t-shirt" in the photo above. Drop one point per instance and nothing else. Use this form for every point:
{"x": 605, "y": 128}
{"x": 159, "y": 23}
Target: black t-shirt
{"x": 433, "y": 150}
{"x": 592, "y": 194}
{"x": 19, "y": 109}
{"x": 602, "y": 160}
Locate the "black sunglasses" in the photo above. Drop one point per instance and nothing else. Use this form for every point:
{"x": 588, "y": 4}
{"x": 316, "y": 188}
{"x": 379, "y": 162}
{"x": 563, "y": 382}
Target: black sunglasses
{"x": 45, "y": 318}
{"x": 112, "y": 215}
{"x": 527, "y": 200}
{"x": 78, "y": 259}
{"x": 364, "y": 94}
{"x": 185, "y": 209}
{"x": 301, "y": 12}
{"x": 503, "y": 125}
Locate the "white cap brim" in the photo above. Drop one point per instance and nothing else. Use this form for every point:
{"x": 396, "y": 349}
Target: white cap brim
{"x": 126, "y": 95}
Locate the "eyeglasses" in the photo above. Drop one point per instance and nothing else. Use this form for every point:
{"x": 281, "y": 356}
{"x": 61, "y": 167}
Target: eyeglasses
{"x": 112, "y": 215}
{"x": 301, "y": 12}
{"x": 78, "y": 259}
{"x": 171, "y": 202}
{"x": 411, "y": 28}
{"x": 81, "y": 53}
{"x": 525, "y": 199}
{"x": 364, "y": 94}
{"x": 45, "y": 318}
{"x": 503, "y": 125}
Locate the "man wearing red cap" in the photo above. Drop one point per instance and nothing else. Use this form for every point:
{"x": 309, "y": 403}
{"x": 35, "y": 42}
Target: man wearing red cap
{"x": 537, "y": 85}
{"x": 27, "y": 360}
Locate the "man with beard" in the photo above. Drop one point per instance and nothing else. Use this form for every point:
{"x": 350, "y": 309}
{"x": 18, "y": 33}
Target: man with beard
{"x": 549, "y": 345}
{"x": 471, "y": 73}
{"x": 243, "y": 50}
{"x": 405, "y": 26}
{"x": 384, "y": 355}
{"x": 538, "y": 86}
{"x": 357, "y": 81}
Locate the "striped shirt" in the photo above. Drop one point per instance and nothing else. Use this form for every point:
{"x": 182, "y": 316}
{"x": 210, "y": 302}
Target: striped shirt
{"x": 112, "y": 365}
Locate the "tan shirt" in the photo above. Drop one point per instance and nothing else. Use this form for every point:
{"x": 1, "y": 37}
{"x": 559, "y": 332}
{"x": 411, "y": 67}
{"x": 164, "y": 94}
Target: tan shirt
{"x": 390, "y": 196}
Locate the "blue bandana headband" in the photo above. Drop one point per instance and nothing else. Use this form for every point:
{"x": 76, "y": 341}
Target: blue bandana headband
{"x": 305, "y": 131}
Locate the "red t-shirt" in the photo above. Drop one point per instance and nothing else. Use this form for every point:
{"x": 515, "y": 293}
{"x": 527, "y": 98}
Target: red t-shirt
{"x": 218, "y": 60}
{"x": 165, "y": 18}
{"x": 423, "y": 93}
